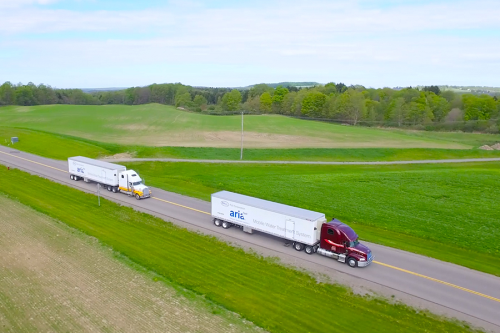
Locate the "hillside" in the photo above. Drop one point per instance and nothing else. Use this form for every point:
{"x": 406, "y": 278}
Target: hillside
{"x": 160, "y": 125}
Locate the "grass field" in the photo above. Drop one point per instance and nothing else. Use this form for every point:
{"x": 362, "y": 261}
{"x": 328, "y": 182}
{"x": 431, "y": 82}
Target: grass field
{"x": 161, "y": 125}
{"x": 59, "y": 146}
{"x": 446, "y": 211}
{"x": 47, "y": 285}
{"x": 274, "y": 297}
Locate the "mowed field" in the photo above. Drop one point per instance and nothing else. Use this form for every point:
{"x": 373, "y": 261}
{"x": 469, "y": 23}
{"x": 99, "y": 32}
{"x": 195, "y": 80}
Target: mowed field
{"x": 161, "y": 125}
{"x": 61, "y": 146}
{"x": 56, "y": 279}
{"x": 274, "y": 297}
{"x": 446, "y": 211}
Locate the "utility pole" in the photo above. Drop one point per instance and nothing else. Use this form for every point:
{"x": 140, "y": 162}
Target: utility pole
{"x": 241, "y": 154}
{"x": 99, "y": 194}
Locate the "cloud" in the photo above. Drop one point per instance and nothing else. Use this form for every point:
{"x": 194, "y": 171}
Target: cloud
{"x": 22, "y": 3}
{"x": 315, "y": 16}
{"x": 317, "y": 40}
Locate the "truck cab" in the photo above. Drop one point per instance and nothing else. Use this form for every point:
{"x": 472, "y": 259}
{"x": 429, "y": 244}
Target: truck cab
{"x": 339, "y": 241}
{"x": 131, "y": 183}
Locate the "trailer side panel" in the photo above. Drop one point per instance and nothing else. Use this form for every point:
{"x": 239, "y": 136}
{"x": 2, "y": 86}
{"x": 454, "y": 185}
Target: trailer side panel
{"x": 268, "y": 220}
{"x": 97, "y": 171}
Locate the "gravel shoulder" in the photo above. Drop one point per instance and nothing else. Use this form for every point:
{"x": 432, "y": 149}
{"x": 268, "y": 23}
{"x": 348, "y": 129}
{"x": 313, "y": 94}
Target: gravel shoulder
{"x": 465, "y": 160}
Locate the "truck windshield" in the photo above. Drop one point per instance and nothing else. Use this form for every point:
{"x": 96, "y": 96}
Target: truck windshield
{"x": 136, "y": 183}
{"x": 353, "y": 244}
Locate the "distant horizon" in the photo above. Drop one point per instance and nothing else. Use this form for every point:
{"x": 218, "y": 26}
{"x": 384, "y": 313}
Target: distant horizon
{"x": 275, "y": 83}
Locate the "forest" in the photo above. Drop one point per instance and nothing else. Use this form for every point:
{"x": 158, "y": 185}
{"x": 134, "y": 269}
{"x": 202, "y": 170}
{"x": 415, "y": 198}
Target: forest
{"x": 429, "y": 107}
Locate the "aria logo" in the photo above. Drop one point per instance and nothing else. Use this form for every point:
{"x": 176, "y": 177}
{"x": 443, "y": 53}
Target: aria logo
{"x": 225, "y": 203}
{"x": 238, "y": 215}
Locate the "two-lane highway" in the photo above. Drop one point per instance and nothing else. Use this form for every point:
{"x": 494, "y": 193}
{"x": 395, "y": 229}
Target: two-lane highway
{"x": 420, "y": 281}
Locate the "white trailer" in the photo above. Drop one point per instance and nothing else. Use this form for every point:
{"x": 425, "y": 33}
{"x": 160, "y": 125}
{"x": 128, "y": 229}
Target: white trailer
{"x": 113, "y": 177}
{"x": 292, "y": 223}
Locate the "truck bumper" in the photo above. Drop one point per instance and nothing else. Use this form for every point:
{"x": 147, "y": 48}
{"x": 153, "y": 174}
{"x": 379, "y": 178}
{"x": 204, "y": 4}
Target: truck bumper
{"x": 365, "y": 263}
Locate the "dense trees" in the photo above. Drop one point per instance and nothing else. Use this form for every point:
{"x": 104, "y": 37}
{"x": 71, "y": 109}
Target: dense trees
{"x": 429, "y": 106}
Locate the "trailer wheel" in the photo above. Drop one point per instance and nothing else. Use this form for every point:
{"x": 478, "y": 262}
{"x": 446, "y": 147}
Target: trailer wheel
{"x": 298, "y": 246}
{"x": 114, "y": 189}
{"x": 352, "y": 262}
{"x": 109, "y": 188}
{"x": 137, "y": 196}
{"x": 226, "y": 225}
{"x": 76, "y": 178}
{"x": 217, "y": 222}
{"x": 309, "y": 249}
{"x": 71, "y": 177}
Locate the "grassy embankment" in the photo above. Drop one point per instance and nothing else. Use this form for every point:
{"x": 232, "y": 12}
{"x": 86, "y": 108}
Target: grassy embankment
{"x": 45, "y": 278}
{"x": 276, "y": 298}
{"x": 60, "y": 146}
{"x": 445, "y": 211}
{"x": 161, "y": 125}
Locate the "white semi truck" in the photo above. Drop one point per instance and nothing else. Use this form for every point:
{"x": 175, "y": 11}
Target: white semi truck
{"x": 305, "y": 229}
{"x": 113, "y": 177}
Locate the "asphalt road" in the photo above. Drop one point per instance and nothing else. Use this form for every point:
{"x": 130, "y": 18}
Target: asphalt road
{"x": 420, "y": 281}
{"x": 463, "y": 160}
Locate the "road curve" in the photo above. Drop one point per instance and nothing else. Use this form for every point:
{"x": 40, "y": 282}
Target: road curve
{"x": 464, "y": 160}
{"x": 420, "y": 281}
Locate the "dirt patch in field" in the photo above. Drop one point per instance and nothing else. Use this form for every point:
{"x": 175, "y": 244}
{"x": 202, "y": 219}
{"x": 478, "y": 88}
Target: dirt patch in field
{"x": 230, "y": 139}
{"x": 136, "y": 127}
{"x": 120, "y": 155}
{"x": 53, "y": 278}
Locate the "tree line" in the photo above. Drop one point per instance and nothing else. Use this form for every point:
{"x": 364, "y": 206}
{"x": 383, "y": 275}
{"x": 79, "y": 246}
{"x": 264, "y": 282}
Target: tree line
{"x": 426, "y": 107}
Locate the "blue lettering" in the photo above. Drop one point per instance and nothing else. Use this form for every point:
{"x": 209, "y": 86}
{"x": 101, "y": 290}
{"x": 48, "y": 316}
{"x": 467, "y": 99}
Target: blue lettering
{"x": 237, "y": 215}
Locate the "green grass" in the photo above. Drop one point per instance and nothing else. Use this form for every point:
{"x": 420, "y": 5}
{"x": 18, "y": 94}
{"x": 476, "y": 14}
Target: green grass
{"x": 51, "y": 145}
{"x": 161, "y": 125}
{"x": 276, "y": 298}
{"x": 60, "y": 146}
{"x": 445, "y": 211}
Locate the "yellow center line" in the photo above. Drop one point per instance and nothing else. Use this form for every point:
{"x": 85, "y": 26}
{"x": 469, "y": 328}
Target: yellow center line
{"x": 438, "y": 281}
{"x": 48, "y": 166}
{"x": 176, "y": 204}
{"x": 375, "y": 262}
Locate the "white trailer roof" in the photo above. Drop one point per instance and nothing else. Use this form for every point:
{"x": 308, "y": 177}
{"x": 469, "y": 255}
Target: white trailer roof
{"x": 269, "y": 205}
{"x": 97, "y": 163}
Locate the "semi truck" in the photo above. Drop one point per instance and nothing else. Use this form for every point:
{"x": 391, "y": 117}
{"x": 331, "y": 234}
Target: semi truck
{"x": 113, "y": 177}
{"x": 304, "y": 229}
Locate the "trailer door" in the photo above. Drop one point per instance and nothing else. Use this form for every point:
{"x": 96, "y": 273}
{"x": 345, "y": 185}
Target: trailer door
{"x": 290, "y": 228}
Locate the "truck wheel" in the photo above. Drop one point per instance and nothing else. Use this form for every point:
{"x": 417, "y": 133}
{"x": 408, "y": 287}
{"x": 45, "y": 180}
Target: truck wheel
{"x": 298, "y": 246}
{"x": 137, "y": 196}
{"x": 226, "y": 225}
{"x": 309, "y": 249}
{"x": 114, "y": 190}
{"x": 352, "y": 262}
{"x": 71, "y": 177}
{"x": 109, "y": 188}
{"x": 217, "y": 222}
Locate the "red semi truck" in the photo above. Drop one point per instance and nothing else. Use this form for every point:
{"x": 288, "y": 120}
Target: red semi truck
{"x": 305, "y": 229}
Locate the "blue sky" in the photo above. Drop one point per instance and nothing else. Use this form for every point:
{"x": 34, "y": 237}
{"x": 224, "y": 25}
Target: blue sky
{"x": 95, "y": 43}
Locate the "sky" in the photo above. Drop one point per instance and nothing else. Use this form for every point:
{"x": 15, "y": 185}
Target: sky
{"x": 221, "y": 43}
